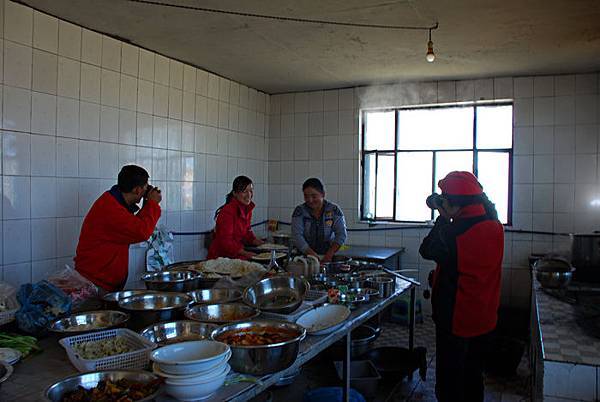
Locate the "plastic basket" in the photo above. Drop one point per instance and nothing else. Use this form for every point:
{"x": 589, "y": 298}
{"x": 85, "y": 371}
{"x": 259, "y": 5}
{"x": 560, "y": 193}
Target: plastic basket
{"x": 139, "y": 358}
{"x": 9, "y": 315}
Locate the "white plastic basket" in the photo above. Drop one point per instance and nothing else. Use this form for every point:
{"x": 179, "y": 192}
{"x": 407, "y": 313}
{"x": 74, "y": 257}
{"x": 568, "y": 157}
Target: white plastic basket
{"x": 9, "y": 315}
{"x": 139, "y": 358}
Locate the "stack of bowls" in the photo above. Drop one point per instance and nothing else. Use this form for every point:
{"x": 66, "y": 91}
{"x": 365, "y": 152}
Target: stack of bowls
{"x": 192, "y": 370}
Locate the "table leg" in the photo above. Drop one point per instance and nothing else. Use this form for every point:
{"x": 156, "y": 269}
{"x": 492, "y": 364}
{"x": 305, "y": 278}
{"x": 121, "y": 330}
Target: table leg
{"x": 411, "y": 317}
{"x": 346, "y": 366}
{"x": 411, "y": 321}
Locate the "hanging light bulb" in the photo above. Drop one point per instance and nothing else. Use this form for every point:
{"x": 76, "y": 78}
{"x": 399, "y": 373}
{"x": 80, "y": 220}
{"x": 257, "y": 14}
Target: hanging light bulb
{"x": 430, "y": 56}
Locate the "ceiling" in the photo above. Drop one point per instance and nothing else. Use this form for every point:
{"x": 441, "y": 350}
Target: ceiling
{"x": 476, "y": 38}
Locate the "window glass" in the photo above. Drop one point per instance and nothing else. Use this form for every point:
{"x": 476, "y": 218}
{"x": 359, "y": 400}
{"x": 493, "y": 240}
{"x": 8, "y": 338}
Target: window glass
{"x": 380, "y": 130}
{"x": 448, "y": 161}
{"x": 438, "y": 128}
{"x": 493, "y": 176}
{"x": 369, "y": 187}
{"x": 413, "y": 186}
{"x": 494, "y": 127}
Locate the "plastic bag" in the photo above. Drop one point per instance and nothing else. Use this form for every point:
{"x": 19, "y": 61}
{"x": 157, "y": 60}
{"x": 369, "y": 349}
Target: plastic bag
{"x": 41, "y": 303}
{"x": 8, "y": 297}
{"x": 78, "y": 288}
{"x": 160, "y": 249}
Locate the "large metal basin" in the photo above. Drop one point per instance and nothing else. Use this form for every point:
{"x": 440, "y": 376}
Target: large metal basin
{"x": 280, "y": 294}
{"x": 57, "y": 391}
{"x": 166, "y": 333}
{"x": 156, "y": 307}
{"x": 263, "y": 359}
{"x": 172, "y": 281}
{"x": 215, "y": 295}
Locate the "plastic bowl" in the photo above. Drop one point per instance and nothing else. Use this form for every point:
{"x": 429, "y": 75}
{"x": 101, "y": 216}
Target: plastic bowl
{"x": 189, "y": 357}
{"x": 209, "y": 376}
{"x": 216, "y": 368}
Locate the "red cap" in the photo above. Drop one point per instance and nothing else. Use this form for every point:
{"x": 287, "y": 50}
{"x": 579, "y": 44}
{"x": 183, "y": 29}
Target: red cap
{"x": 460, "y": 183}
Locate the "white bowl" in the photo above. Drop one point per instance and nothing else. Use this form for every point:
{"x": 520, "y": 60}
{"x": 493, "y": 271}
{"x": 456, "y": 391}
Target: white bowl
{"x": 197, "y": 391}
{"x": 190, "y": 357}
{"x": 200, "y": 378}
{"x": 217, "y": 367}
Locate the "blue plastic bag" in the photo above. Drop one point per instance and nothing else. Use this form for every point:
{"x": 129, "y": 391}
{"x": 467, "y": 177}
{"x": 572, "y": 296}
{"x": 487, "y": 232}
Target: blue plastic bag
{"x": 41, "y": 303}
{"x": 331, "y": 394}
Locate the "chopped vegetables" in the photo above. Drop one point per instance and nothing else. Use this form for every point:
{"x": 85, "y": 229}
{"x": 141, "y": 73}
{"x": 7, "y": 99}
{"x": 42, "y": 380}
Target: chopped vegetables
{"x": 24, "y": 344}
{"x": 93, "y": 350}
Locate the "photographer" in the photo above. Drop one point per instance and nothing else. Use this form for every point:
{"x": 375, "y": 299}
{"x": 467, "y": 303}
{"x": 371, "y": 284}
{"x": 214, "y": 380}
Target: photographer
{"x": 467, "y": 243}
{"x": 112, "y": 224}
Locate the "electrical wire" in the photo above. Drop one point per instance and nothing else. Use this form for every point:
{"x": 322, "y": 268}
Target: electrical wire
{"x": 289, "y": 19}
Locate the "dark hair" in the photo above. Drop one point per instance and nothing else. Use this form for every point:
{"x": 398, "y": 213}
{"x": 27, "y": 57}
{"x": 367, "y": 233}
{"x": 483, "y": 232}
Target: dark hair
{"x": 130, "y": 177}
{"x": 315, "y": 183}
{"x": 464, "y": 200}
{"x": 239, "y": 184}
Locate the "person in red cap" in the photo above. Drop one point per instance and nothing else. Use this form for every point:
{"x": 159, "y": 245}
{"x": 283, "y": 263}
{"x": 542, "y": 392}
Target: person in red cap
{"x": 467, "y": 243}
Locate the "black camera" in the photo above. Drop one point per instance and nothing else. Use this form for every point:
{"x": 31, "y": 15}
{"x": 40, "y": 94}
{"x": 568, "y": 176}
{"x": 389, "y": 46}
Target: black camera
{"x": 434, "y": 201}
{"x": 148, "y": 189}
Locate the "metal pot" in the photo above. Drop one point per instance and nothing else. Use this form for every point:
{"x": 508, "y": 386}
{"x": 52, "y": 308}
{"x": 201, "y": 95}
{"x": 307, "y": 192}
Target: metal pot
{"x": 172, "y": 281}
{"x": 95, "y": 320}
{"x": 585, "y": 256}
{"x": 215, "y": 295}
{"x": 263, "y": 359}
{"x": 553, "y": 272}
{"x": 384, "y": 284}
{"x": 151, "y": 308}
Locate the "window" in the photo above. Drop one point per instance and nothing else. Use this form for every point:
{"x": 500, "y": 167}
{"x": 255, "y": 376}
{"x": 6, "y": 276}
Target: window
{"x": 406, "y": 151}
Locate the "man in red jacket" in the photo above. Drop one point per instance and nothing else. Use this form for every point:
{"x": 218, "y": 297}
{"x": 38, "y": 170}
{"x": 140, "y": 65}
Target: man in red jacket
{"x": 112, "y": 224}
{"x": 467, "y": 243}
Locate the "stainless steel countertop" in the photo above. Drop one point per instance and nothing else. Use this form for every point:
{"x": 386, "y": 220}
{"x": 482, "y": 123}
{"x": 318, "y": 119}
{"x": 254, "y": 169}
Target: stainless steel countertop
{"x": 33, "y": 375}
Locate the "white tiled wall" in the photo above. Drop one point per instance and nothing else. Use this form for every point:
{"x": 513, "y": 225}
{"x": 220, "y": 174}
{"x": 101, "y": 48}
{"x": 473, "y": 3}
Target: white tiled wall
{"x": 77, "y": 105}
{"x": 556, "y": 169}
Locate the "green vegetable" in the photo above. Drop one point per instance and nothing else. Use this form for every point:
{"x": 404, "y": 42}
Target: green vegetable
{"x": 24, "y": 344}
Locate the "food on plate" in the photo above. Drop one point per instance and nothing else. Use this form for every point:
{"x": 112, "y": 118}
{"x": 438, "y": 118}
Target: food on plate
{"x": 122, "y": 390}
{"x": 226, "y": 266}
{"x": 106, "y": 347}
{"x": 272, "y": 246}
{"x": 267, "y": 256}
{"x": 257, "y": 337}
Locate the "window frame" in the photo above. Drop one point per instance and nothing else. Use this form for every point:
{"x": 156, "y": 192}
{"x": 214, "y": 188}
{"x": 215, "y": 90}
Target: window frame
{"x": 396, "y": 151}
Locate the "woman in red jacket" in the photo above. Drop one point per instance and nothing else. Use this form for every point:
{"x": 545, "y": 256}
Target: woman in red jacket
{"x": 233, "y": 229}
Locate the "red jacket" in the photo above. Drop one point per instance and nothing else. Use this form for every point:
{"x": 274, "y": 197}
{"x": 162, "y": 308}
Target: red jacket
{"x": 108, "y": 229}
{"x": 467, "y": 280}
{"x": 232, "y": 230}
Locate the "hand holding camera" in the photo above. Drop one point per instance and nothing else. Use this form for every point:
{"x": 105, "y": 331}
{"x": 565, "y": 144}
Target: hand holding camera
{"x": 154, "y": 194}
{"x": 436, "y": 201}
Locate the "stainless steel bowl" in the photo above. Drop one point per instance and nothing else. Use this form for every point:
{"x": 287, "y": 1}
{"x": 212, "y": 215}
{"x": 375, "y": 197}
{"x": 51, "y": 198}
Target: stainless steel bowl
{"x": 90, "y": 321}
{"x": 6, "y": 371}
{"x": 384, "y": 284}
{"x": 165, "y": 333}
{"x": 282, "y": 238}
{"x": 154, "y": 307}
{"x": 215, "y": 295}
{"x": 57, "y": 391}
{"x": 111, "y": 300}
{"x": 221, "y": 313}
{"x": 262, "y": 359}
{"x": 172, "y": 281}
{"x": 281, "y": 294}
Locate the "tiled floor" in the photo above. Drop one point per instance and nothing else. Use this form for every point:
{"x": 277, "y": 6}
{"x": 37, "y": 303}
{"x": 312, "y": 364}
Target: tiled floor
{"x": 321, "y": 372}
